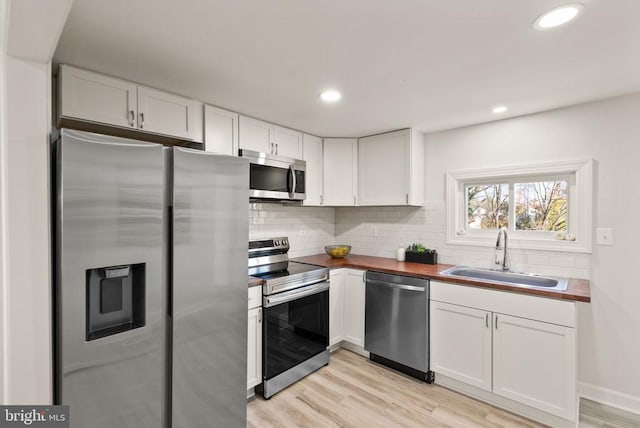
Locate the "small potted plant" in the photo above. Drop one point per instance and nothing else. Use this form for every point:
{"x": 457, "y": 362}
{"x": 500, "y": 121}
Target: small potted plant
{"x": 419, "y": 254}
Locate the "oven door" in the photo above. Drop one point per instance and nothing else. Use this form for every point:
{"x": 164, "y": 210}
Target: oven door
{"x": 296, "y": 327}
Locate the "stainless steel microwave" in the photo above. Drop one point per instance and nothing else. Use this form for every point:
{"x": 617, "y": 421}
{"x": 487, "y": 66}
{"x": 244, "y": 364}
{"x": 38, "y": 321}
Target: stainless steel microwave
{"x": 275, "y": 178}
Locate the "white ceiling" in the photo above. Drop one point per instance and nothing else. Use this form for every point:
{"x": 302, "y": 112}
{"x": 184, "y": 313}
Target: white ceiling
{"x": 429, "y": 64}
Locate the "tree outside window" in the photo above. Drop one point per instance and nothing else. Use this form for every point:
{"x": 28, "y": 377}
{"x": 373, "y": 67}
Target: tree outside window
{"x": 538, "y": 205}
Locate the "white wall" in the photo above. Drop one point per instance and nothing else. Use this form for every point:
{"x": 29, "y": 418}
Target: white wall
{"x": 607, "y": 131}
{"x": 30, "y": 30}
{"x": 3, "y": 282}
{"x": 28, "y": 310}
{"x": 309, "y": 229}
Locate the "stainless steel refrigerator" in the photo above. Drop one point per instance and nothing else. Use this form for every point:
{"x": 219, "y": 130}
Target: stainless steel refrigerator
{"x": 150, "y": 294}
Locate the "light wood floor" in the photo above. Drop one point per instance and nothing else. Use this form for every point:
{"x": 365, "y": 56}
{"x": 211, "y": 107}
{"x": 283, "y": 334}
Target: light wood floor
{"x": 354, "y": 392}
{"x": 596, "y": 415}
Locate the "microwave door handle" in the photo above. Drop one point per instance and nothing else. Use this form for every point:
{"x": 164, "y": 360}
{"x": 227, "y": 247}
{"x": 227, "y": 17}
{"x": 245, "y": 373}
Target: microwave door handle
{"x": 292, "y": 182}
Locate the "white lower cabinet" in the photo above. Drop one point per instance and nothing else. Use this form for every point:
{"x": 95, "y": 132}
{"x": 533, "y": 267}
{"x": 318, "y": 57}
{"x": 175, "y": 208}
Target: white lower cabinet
{"x": 354, "y": 298}
{"x": 336, "y": 306}
{"x": 461, "y": 343}
{"x": 346, "y": 307}
{"x": 519, "y": 347}
{"x": 534, "y": 363}
{"x": 254, "y": 338}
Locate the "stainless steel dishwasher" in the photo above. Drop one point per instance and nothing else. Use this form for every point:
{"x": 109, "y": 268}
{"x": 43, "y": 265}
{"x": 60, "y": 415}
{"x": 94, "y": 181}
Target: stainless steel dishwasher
{"x": 396, "y": 330}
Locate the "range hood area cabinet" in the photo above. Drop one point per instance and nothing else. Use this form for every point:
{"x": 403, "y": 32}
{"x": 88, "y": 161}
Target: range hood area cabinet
{"x": 92, "y": 97}
{"x": 265, "y": 137}
{"x": 391, "y": 169}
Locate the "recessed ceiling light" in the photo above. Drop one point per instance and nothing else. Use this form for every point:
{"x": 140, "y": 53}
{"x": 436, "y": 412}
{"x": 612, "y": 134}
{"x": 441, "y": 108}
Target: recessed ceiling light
{"x": 330, "y": 96}
{"x": 558, "y": 16}
{"x": 499, "y": 109}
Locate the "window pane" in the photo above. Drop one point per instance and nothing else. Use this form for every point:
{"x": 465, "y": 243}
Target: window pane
{"x": 487, "y": 206}
{"x": 541, "y": 205}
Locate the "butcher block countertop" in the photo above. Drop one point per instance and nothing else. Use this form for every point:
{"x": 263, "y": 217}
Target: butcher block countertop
{"x": 253, "y": 281}
{"x": 578, "y": 288}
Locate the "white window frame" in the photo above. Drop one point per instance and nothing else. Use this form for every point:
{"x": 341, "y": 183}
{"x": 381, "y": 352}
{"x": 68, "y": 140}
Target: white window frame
{"x": 579, "y": 176}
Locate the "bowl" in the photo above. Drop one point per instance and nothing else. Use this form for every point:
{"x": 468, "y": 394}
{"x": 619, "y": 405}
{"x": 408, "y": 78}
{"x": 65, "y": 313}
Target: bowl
{"x": 337, "y": 251}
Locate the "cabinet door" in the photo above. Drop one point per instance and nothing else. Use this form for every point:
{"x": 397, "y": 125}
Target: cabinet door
{"x": 220, "y": 131}
{"x": 312, "y": 154}
{"x": 354, "y": 298}
{"x": 255, "y": 135}
{"x": 384, "y": 168}
{"x": 340, "y": 171}
{"x": 169, "y": 114}
{"x": 461, "y": 343}
{"x": 336, "y": 306}
{"x": 534, "y": 364}
{"x": 254, "y": 348}
{"x": 287, "y": 142}
{"x": 90, "y": 96}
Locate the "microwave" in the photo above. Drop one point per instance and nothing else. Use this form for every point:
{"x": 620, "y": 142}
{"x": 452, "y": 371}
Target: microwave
{"x": 275, "y": 178}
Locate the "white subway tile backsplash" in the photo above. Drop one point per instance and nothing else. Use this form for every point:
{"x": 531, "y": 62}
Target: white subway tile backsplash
{"x": 311, "y": 228}
{"x": 427, "y": 225}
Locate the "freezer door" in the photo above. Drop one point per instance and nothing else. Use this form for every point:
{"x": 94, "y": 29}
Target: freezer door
{"x": 108, "y": 289}
{"x": 209, "y": 287}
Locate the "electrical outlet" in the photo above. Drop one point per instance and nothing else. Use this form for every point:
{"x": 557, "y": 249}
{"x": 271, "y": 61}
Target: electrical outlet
{"x": 374, "y": 231}
{"x": 604, "y": 236}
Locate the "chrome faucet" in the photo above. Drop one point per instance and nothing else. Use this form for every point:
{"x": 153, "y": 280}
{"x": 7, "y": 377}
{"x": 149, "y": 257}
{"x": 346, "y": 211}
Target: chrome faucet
{"x": 504, "y": 260}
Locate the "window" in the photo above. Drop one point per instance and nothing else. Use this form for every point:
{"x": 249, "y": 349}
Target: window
{"x": 545, "y": 206}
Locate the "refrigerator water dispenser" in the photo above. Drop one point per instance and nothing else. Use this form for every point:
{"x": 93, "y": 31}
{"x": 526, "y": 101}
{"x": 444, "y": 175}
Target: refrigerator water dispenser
{"x": 115, "y": 300}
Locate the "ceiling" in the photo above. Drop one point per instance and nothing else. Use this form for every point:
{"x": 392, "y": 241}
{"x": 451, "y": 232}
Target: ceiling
{"x": 428, "y": 64}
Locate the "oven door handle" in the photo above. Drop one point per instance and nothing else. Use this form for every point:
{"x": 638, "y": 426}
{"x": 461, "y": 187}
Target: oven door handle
{"x": 288, "y": 296}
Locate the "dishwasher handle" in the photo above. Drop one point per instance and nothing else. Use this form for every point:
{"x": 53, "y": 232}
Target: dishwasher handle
{"x": 396, "y": 285}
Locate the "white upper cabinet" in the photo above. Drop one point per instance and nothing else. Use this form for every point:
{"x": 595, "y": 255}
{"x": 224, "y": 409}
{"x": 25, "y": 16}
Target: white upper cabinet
{"x": 168, "y": 114}
{"x": 256, "y": 135}
{"x": 265, "y": 137}
{"x": 340, "y": 171}
{"x": 220, "y": 131}
{"x": 93, "y": 97}
{"x": 287, "y": 142}
{"x": 391, "y": 169}
{"x": 312, "y": 155}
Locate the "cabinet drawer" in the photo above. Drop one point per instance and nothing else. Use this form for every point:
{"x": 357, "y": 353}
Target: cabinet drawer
{"x": 255, "y": 297}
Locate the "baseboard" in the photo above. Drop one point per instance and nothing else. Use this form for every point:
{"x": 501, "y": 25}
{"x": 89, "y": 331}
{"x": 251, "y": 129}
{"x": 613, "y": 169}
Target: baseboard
{"x": 505, "y": 403}
{"x": 354, "y": 348}
{"x": 609, "y": 397}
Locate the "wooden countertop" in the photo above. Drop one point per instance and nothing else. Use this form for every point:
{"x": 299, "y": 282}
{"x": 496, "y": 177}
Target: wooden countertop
{"x": 253, "y": 281}
{"x": 578, "y": 288}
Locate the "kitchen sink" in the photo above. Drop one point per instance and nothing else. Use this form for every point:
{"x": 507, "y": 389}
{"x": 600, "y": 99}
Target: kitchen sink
{"x": 518, "y": 279}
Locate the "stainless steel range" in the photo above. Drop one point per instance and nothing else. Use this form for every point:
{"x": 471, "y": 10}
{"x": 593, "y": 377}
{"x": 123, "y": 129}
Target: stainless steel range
{"x": 296, "y": 314}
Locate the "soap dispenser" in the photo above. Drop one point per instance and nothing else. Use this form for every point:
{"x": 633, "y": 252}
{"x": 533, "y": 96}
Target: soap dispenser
{"x": 400, "y": 253}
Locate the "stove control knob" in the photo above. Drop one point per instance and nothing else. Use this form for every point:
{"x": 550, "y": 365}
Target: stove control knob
{"x": 285, "y": 242}
{"x": 277, "y": 242}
